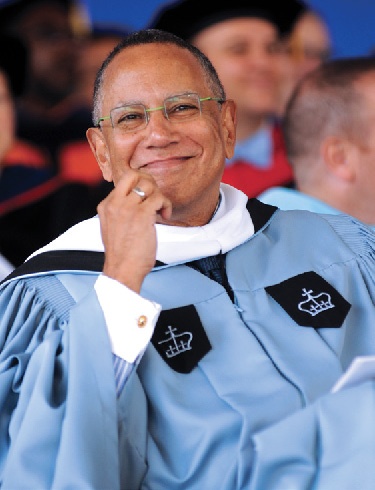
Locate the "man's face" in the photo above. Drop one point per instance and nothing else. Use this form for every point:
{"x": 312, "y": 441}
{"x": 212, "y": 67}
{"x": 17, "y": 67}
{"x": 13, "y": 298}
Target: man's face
{"x": 6, "y": 117}
{"x": 185, "y": 158}
{"x": 244, "y": 52}
{"x": 47, "y": 32}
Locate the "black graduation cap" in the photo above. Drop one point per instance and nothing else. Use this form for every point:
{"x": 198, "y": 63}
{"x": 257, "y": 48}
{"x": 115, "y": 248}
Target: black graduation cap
{"x": 187, "y": 17}
{"x": 13, "y": 62}
{"x": 102, "y": 30}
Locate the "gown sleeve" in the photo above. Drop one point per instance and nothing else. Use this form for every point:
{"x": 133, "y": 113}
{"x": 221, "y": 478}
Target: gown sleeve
{"x": 58, "y": 415}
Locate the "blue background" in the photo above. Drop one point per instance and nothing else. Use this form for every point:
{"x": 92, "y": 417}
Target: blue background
{"x": 351, "y": 22}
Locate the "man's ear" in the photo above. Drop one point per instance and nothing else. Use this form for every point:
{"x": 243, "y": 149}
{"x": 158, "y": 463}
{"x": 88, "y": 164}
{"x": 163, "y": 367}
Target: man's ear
{"x": 339, "y": 155}
{"x": 229, "y": 121}
{"x": 100, "y": 150}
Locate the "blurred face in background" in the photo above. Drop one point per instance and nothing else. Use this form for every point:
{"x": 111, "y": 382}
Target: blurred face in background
{"x": 7, "y": 117}
{"x": 47, "y": 31}
{"x": 244, "y": 52}
{"x": 305, "y": 49}
{"x": 310, "y": 44}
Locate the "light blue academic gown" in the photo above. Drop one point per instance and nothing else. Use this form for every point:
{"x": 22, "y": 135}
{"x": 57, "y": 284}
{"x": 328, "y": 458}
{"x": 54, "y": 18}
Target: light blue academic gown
{"x": 254, "y": 412}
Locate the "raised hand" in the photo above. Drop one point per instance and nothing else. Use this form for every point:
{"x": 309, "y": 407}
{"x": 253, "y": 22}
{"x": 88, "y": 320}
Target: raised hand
{"x": 127, "y": 219}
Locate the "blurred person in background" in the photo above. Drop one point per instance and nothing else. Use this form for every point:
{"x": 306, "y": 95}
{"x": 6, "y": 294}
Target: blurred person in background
{"x": 35, "y": 204}
{"x": 308, "y": 46}
{"x": 45, "y": 110}
{"x": 50, "y": 112}
{"x": 24, "y": 188}
{"x": 242, "y": 40}
{"x": 329, "y": 128}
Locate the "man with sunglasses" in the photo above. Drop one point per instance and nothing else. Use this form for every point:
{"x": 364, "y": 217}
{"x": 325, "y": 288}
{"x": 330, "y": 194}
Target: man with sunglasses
{"x": 186, "y": 337}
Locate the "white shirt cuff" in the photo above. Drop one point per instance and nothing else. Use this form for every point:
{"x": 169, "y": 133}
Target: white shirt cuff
{"x": 130, "y": 318}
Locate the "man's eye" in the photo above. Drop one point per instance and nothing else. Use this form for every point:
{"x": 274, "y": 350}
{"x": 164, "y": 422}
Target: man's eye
{"x": 130, "y": 116}
{"x": 183, "y": 108}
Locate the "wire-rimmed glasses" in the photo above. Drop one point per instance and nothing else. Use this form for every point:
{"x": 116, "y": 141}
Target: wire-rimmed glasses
{"x": 178, "y": 108}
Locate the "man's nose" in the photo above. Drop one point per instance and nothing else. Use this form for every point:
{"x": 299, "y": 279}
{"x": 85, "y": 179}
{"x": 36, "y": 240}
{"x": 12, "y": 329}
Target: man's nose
{"x": 158, "y": 123}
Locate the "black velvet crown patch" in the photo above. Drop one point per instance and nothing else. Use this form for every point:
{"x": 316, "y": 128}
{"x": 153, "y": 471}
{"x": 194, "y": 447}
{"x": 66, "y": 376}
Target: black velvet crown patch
{"x": 180, "y": 338}
{"x": 311, "y": 301}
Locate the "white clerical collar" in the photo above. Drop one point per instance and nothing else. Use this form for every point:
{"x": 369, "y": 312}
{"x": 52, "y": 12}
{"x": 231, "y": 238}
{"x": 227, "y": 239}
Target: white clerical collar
{"x": 230, "y": 227}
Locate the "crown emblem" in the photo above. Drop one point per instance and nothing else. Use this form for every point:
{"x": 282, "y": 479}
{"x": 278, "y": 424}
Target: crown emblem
{"x": 176, "y": 343}
{"x": 314, "y": 305}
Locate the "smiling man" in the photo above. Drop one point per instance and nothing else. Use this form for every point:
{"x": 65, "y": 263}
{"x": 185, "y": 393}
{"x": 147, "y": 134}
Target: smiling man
{"x": 186, "y": 337}
{"x": 164, "y": 136}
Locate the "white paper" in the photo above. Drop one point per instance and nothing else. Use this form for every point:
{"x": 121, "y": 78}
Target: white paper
{"x": 361, "y": 369}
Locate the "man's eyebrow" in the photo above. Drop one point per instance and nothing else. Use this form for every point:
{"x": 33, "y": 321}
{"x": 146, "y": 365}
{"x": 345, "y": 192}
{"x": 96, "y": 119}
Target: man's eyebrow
{"x": 138, "y": 101}
{"x": 128, "y": 102}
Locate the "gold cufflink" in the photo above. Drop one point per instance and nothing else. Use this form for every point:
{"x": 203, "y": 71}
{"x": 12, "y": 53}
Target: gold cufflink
{"x": 142, "y": 320}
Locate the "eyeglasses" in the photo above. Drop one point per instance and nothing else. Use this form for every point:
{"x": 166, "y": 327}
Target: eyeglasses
{"x": 179, "y": 108}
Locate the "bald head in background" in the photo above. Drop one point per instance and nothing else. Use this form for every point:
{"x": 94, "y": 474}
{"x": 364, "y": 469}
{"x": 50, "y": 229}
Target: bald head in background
{"x": 329, "y": 129}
